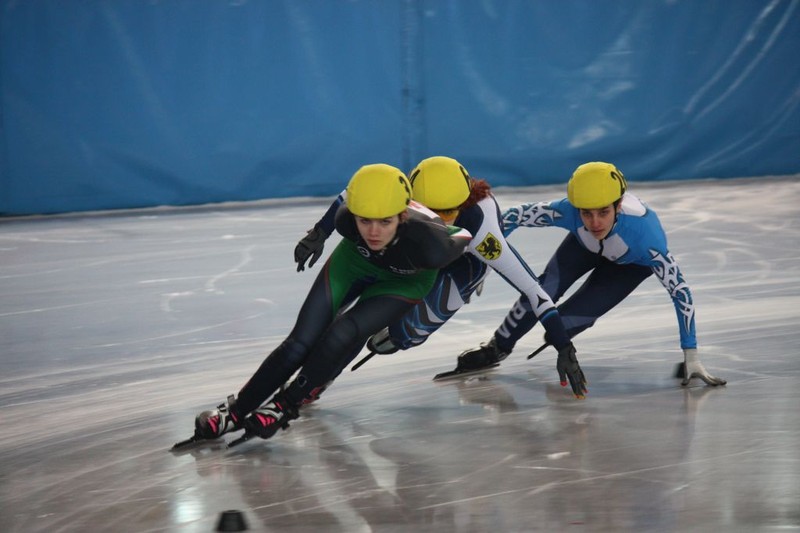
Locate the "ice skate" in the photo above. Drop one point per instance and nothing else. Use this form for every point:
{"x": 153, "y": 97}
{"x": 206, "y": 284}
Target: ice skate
{"x": 265, "y": 421}
{"x": 486, "y": 357}
{"x": 314, "y": 395}
{"x": 213, "y": 423}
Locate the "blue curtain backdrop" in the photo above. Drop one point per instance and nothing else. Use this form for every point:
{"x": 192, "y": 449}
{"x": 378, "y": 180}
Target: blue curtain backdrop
{"x": 108, "y": 104}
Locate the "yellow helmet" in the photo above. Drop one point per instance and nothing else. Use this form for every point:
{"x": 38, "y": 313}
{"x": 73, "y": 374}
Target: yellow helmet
{"x": 440, "y": 183}
{"x": 378, "y": 191}
{"x": 595, "y": 185}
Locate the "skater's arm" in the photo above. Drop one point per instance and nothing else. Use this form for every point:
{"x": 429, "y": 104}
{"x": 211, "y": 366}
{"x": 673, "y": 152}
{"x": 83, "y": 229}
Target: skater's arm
{"x": 312, "y": 244}
{"x": 668, "y": 272}
{"x": 534, "y": 215}
{"x": 491, "y": 247}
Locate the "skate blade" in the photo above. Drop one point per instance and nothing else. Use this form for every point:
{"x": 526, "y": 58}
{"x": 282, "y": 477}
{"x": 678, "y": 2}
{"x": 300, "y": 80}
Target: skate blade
{"x": 196, "y": 442}
{"x": 454, "y": 374}
{"x": 244, "y": 438}
{"x": 538, "y": 350}
{"x": 182, "y": 445}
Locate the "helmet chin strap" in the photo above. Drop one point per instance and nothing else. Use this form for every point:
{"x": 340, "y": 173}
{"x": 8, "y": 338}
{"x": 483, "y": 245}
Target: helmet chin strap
{"x": 617, "y": 207}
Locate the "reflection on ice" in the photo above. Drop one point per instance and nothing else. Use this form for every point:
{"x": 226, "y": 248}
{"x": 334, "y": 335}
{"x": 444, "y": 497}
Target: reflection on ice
{"x": 116, "y": 330}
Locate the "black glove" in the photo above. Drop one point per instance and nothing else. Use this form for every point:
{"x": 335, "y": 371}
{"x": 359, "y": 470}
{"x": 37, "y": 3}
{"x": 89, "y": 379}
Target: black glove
{"x": 568, "y": 368}
{"x": 310, "y": 246}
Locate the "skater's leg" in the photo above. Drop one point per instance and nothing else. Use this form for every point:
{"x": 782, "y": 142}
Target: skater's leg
{"x": 334, "y": 350}
{"x": 342, "y": 341}
{"x": 314, "y": 317}
{"x": 454, "y": 287}
{"x": 603, "y": 290}
{"x": 569, "y": 262}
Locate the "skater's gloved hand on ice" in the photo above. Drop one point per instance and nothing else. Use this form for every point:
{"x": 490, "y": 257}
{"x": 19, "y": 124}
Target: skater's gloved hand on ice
{"x": 381, "y": 343}
{"x": 310, "y": 246}
{"x": 569, "y": 369}
{"x": 695, "y": 369}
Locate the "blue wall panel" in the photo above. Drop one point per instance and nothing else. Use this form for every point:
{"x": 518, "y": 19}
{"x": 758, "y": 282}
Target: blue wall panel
{"x": 115, "y": 104}
{"x": 526, "y": 91}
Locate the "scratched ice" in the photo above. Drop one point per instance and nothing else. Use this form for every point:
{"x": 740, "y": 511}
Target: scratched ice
{"x": 115, "y": 330}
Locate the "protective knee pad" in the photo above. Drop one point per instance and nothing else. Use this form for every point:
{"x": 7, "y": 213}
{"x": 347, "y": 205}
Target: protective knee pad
{"x": 339, "y": 341}
{"x": 290, "y": 354}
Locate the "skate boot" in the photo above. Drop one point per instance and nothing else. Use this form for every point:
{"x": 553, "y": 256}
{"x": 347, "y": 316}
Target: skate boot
{"x": 216, "y": 422}
{"x": 314, "y": 395}
{"x": 476, "y": 361}
{"x": 265, "y": 421}
{"x": 487, "y": 355}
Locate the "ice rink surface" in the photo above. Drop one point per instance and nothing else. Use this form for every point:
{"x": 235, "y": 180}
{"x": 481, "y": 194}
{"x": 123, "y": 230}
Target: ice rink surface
{"x": 116, "y": 329}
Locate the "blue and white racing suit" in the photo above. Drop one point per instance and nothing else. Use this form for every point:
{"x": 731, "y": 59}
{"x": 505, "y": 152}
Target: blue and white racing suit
{"x": 635, "y": 248}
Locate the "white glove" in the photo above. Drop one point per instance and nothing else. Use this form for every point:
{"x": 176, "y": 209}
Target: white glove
{"x": 381, "y": 343}
{"x": 695, "y": 369}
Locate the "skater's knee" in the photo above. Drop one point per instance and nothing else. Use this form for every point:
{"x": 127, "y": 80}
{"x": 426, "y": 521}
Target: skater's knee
{"x": 291, "y": 352}
{"x": 341, "y": 337}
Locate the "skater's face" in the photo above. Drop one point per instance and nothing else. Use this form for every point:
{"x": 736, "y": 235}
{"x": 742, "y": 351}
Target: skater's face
{"x": 599, "y": 221}
{"x": 378, "y": 232}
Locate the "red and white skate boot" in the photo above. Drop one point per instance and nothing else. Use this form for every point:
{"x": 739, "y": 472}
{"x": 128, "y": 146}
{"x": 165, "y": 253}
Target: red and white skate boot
{"x": 215, "y": 423}
{"x": 265, "y": 421}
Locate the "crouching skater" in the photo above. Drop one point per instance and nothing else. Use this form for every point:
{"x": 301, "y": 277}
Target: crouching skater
{"x": 385, "y": 264}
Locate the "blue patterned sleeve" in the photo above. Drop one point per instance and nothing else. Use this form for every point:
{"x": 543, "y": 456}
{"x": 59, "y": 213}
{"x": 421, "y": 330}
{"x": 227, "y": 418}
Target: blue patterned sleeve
{"x": 668, "y": 272}
{"x": 536, "y": 215}
{"x": 511, "y": 218}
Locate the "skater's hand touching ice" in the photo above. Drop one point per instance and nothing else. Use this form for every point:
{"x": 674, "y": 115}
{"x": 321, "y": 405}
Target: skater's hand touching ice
{"x": 695, "y": 369}
{"x": 569, "y": 369}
